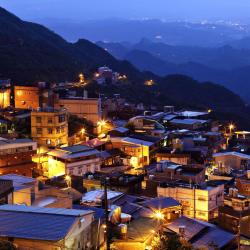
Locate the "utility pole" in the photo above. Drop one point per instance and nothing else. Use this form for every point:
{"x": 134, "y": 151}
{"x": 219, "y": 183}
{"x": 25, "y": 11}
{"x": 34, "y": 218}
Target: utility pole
{"x": 239, "y": 230}
{"x": 106, "y": 213}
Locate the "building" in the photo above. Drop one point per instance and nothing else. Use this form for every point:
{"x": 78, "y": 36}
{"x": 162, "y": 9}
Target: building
{"x": 6, "y": 190}
{"x": 46, "y": 228}
{"x": 188, "y": 123}
{"x": 26, "y": 97}
{"x": 243, "y": 184}
{"x": 88, "y": 108}
{"x": 16, "y": 156}
{"x": 24, "y": 189}
{"x": 169, "y": 171}
{"x": 33, "y": 96}
{"x": 141, "y": 150}
{"x": 49, "y": 127}
{"x": 197, "y": 202}
{"x": 5, "y": 93}
{"x": 227, "y": 161}
{"x": 202, "y": 235}
{"x": 235, "y": 213}
{"x": 75, "y": 160}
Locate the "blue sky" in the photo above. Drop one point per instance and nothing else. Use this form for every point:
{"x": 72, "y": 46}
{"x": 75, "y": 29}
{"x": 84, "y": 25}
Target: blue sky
{"x": 99, "y": 9}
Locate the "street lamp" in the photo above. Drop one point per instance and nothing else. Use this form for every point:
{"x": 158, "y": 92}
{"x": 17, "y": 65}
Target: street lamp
{"x": 158, "y": 215}
{"x": 231, "y": 127}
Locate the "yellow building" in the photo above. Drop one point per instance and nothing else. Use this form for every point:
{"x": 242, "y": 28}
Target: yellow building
{"x": 88, "y": 108}
{"x": 49, "y": 127}
{"x": 26, "y": 97}
{"x": 4, "y": 98}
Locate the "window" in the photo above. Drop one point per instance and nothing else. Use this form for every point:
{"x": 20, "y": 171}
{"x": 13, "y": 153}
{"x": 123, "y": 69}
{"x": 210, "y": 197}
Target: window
{"x": 50, "y": 131}
{"x": 79, "y": 170}
{"x": 62, "y": 129}
{"x": 39, "y": 131}
{"x": 38, "y": 119}
{"x": 61, "y": 118}
{"x": 58, "y": 130}
{"x": 50, "y": 120}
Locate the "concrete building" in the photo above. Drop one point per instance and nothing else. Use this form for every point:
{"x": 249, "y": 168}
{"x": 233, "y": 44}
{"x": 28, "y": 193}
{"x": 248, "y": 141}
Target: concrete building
{"x": 227, "y": 161}
{"x": 5, "y": 92}
{"x": 75, "y": 160}
{"x": 139, "y": 150}
{"x": 197, "y": 202}
{"x": 24, "y": 189}
{"x": 169, "y": 171}
{"x": 49, "y": 127}
{"x": 235, "y": 212}
{"x": 46, "y": 228}
{"x": 16, "y": 156}
{"x": 26, "y": 97}
{"x": 88, "y": 108}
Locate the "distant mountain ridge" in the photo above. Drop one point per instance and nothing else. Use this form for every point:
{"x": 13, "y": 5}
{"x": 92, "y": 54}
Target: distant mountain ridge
{"x": 227, "y": 65}
{"x": 31, "y": 53}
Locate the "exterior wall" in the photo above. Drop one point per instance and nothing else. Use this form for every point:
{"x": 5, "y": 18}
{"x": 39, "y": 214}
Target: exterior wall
{"x": 79, "y": 168}
{"x": 196, "y": 203}
{"x": 53, "y": 132}
{"x": 140, "y": 155}
{"x": 229, "y": 161}
{"x": 83, "y": 108}
{"x": 22, "y": 196}
{"x": 26, "y": 97}
{"x": 183, "y": 160}
{"x": 77, "y": 238}
{"x": 4, "y": 98}
{"x": 82, "y": 167}
{"x": 17, "y": 158}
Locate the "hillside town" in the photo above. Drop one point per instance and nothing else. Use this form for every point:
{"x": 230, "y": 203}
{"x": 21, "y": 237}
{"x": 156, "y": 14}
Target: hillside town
{"x": 82, "y": 172}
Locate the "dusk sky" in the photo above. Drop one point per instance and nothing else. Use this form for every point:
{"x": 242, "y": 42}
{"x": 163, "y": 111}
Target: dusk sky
{"x": 99, "y": 9}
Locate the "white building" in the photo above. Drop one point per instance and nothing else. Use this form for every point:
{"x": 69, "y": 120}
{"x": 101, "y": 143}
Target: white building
{"x": 197, "y": 202}
{"x": 75, "y": 160}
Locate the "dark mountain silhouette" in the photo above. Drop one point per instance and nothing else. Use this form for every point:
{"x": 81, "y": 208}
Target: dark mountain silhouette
{"x": 30, "y": 53}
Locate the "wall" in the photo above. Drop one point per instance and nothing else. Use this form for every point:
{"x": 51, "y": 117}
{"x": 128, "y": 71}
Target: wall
{"x": 84, "y": 108}
{"x": 26, "y": 97}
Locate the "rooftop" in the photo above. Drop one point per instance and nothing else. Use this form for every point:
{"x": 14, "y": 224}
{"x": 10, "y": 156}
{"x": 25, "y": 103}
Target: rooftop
{"x": 188, "y": 121}
{"x": 26, "y": 222}
{"x": 244, "y": 156}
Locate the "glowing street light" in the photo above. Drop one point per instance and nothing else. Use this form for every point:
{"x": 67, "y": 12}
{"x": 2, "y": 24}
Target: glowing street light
{"x": 231, "y": 127}
{"x": 83, "y": 131}
{"x": 158, "y": 215}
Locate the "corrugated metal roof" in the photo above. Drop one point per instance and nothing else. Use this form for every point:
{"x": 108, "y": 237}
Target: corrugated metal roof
{"x": 244, "y": 156}
{"x": 37, "y": 223}
{"x": 160, "y": 203}
{"x": 137, "y": 141}
{"x": 188, "y": 121}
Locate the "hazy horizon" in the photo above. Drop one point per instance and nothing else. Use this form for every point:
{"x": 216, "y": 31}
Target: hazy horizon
{"x": 79, "y": 10}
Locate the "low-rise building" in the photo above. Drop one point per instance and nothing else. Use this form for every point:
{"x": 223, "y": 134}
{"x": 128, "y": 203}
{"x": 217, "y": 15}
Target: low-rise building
{"x": 197, "y": 201}
{"x": 16, "y": 156}
{"x": 75, "y": 160}
{"x": 49, "y": 126}
{"x": 88, "y": 108}
{"x": 169, "y": 171}
{"x": 46, "y": 228}
{"x": 202, "y": 235}
{"x": 227, "y": 161}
